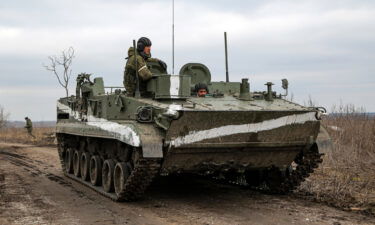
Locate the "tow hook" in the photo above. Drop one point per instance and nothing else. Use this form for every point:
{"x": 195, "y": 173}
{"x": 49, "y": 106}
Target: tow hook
{"x": 320, "y": 112}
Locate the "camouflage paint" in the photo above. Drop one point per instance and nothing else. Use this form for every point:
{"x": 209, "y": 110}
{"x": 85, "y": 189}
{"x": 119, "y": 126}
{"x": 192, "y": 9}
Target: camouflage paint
{"x": 121, "y": 132}
{"x": 181, "y": 122}
{"x": 196, "y": 136}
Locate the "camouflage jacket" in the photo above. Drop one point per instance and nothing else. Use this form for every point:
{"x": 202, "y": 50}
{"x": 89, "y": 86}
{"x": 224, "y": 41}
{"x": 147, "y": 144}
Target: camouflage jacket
{"x": 29, "y": 124}
{"x": 144, "y": 73}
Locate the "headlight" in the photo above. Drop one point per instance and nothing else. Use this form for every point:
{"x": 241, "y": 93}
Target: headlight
{"x": 144, "y": 114}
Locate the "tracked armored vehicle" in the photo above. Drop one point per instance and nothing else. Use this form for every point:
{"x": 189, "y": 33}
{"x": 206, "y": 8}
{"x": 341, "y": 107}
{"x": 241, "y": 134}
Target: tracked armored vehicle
{"x": 116, "y": 144}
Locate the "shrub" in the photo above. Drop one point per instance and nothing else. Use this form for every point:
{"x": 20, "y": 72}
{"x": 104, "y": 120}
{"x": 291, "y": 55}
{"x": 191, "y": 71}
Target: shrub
{"x": 346, "y": 178}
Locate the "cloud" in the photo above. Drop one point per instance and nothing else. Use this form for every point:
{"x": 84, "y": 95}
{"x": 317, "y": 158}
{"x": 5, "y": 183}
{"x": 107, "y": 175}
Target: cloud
{"x": 38, "y": 102}
{"x": 314, "y": 44}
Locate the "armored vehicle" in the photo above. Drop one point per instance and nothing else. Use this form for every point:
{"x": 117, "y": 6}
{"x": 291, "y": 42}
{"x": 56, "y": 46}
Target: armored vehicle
{"x": 116, "y": 144}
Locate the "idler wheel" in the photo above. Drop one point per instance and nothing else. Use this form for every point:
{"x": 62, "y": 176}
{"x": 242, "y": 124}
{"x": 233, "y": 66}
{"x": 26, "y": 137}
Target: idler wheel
{"x": 85, "y": 165}
{"x": 254, "y": 178}
{"x": 68, "y": 160}
{"x": 121, "y": 174}
{"x": 95, "y": 170}
{"x": 76, "y": 159}
{"x": 107, "y": 175}
{"x": 274, "y": 179}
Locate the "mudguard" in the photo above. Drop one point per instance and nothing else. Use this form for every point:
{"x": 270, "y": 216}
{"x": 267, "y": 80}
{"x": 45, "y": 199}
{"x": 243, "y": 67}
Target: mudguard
{"x": 324, "y": 141}
{"x": 151, "y": 141}
{"x": 146, "y": 136}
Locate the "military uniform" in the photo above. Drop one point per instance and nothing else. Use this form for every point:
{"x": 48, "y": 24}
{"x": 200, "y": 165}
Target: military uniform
{"x": 29, "y": 126}
{"x": 144, "y": 73}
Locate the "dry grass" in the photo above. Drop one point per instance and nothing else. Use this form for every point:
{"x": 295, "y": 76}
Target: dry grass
{"x": 346, "y": 177}
{"x": 43, "y": 136}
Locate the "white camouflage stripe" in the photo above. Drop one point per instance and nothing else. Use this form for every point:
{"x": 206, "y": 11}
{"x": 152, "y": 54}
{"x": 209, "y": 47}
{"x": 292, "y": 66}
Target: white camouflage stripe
{"x": 175, "y": 86}
{"x": 195, "y": 136}
{"x": 121, "y": 132}
{"x": 143, "y": 67}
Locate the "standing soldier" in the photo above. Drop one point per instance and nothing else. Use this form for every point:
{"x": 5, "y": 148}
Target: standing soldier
{"x": 143, "y": 56}
{"x": 29, "y": 126}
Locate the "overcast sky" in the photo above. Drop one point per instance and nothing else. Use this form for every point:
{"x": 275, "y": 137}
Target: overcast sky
{"x": 326, "y": 49}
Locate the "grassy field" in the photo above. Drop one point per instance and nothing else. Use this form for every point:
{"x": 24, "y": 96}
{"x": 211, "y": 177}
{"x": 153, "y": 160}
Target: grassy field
{"x": 43, "y": 135}
{"x": 345, "y": 179}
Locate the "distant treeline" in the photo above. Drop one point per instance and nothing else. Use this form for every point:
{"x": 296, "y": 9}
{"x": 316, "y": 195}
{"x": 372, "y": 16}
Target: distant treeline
{"x": 368, "y": 114}
{"x": 35, "y": 123}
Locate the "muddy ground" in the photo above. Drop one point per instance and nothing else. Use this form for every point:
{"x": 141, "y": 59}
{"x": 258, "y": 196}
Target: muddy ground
{"x": 33, "y": 190}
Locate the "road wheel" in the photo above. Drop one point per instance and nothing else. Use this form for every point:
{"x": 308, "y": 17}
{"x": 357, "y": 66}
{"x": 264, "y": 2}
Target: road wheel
{"x": 274, "y": 180}
{"x": 95, "y": 170}
{"x": 76, "y": 159}
{"x": 254, "y": 178}
{"x": 120, "y": 176}
{"x": 84, "y": 166}
{"x": 68, "y": 160}
{"x": 107, "y": 175}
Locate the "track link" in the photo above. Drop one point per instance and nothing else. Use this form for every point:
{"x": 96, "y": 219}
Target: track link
{"x": 305, "y": 166}
{"x": 144, "y": 171}
{"x": 276, "y": 182}
{"x": 140, "y": 178}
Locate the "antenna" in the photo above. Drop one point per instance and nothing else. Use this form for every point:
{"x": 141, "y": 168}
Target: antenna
{"x": 226, "y": 57}
{"x": 172, "y": 37}
{"x": 137, "y": 93}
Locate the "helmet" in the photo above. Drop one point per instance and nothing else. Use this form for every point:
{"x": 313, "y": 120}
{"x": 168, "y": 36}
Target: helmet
{"x": 200, "y": 86}
{"x": 142, "y": 43}
{"x": 26, "y": 118}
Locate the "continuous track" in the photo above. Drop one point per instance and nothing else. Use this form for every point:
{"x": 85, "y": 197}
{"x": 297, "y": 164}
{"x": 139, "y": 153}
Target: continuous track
{"x": 306, "y": 164}
{"x": 277, "y": 182}
{"x": 140, "y": 178}
{"x": 144, "y": 170}
{"x": 135, "y": 186}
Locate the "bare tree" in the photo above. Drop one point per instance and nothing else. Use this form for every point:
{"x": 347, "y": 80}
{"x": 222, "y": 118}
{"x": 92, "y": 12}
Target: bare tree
{"x": 3, "y": 117}
{"x": 291, "y": 97}
{"x": 60, "y": 66}
{"x": 310, "y": 102}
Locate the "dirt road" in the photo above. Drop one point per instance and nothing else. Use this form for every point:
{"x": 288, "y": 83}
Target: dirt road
{"x": 33, "y": 190}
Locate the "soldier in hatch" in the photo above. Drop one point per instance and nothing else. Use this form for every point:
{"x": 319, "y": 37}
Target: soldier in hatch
{"x": 201, "y": 89}
{"x": 144, "y": 74}
{"x": 29, "y": 126}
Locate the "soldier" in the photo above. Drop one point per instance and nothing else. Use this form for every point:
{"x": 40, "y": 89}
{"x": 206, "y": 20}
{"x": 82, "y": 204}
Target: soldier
{"x": 201, "y": 89}
{"x": 29, "y": 126}
{"x": 144, "y": 74}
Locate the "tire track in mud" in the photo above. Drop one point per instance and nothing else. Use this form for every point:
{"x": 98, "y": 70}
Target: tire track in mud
{"x": 27, "y": 164}
{"x": 20, "y": 202}
{"x": 38, "y": 169}
{"x": 171, "y": 200}
{"x": 16, "y": 194}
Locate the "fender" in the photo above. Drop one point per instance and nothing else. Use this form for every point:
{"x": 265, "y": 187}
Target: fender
{"x": 324, "y": 141}
{"x": 151, "y": 141}
{"x": 146, "y": 136}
